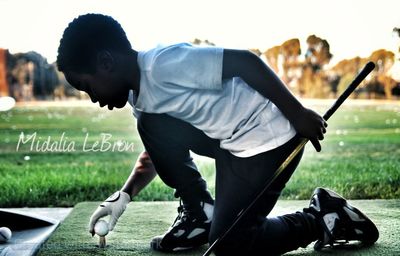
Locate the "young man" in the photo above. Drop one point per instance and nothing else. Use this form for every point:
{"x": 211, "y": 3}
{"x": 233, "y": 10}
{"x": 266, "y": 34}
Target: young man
{"x": 221, "y": 103}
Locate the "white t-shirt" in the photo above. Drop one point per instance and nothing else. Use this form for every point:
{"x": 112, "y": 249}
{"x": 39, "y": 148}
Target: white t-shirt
{"x": 185, "y": 82}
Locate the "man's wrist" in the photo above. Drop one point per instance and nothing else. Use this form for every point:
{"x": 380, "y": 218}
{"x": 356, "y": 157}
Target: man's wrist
{"x": 293, "y": 112}
{"x": 128, "y": 193}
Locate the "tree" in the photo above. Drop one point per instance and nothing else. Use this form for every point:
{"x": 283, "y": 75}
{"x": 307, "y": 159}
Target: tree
{"x": 313, "y": 81}
{"x": 349, "y": 66}
{"x": 397, "y": 30}
{"x": 344, "y": 71}
{"x": 290, "y": 51}
{"x": 318, "y": 53}
{"x": 283, "y": 59}
{"x": 388, "y": 84}
{"x": 198, "y": 41}
{"x": 384, "y": 60}
{"x": 272, "y": 56}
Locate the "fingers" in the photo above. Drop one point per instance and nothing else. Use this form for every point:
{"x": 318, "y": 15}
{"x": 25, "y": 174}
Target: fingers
{"x": 316, "y": 144}
{"x": 321, "y": 130}
{"x": 320, "y": 136}
{"x": 313, "y": 126}
{"x": 324, "y": 126}
{"x": 113, "y": 222}
{"x": 115, "y": 216}
{"x": 100, "y": 212}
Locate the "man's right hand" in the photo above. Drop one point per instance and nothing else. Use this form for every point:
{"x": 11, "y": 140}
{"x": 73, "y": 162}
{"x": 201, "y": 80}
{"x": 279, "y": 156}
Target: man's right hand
{"x": 310, "y": 125}
{"x": 114, "y": 206}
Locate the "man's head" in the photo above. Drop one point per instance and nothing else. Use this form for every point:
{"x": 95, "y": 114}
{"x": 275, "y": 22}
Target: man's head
{"x": 91, "y": 54}
{"x": 85, "y": 37}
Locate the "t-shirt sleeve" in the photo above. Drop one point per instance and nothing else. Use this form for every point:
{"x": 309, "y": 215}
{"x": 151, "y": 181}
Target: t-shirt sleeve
{"x": 189, "y": 66}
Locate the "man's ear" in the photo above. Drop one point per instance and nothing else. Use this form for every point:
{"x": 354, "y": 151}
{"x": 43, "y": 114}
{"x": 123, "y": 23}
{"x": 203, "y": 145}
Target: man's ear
{"x": 105, "y": 61}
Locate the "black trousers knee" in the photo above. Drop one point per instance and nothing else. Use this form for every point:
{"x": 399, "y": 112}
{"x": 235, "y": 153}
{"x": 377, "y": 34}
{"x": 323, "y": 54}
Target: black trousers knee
{"x": 168, "y": 141}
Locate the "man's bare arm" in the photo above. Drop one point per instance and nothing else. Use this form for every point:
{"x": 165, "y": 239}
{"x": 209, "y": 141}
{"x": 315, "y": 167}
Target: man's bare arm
{"x": 142, "y": 174}
{"x": 250, "y": 68}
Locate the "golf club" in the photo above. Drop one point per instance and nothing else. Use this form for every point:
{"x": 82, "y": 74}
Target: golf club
{"x": 353, "y": 85}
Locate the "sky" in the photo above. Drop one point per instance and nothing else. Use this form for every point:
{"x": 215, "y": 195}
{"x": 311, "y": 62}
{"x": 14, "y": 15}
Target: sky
{"x": 352, "y": 27}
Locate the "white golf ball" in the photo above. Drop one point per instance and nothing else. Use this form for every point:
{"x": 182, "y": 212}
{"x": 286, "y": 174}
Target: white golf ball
{"x": 101, "y": 228}
{"x": 6, "y": 103}
{"x": 5, "y": 234}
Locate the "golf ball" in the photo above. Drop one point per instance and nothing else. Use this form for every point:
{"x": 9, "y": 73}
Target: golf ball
{"x": 5, "y": 234}
{"x": 101, "y": 228}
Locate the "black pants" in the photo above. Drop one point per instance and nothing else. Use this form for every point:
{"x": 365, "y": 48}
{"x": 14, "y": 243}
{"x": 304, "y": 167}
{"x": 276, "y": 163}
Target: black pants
{"x": 238, "y": 181}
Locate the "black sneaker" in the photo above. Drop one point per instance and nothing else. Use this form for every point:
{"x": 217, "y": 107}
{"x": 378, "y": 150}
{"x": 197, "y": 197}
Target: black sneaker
{"x": 342, "y": 223}
{"x": 189, "y": 230}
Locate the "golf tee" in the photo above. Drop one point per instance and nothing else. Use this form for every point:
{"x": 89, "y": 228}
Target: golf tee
{"x": 102, "y": 242}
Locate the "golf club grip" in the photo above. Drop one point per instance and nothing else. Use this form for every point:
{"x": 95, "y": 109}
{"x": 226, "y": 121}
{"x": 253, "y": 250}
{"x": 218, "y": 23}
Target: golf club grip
{"x": 303, "y": 141}
{"x": 353, "y": 85}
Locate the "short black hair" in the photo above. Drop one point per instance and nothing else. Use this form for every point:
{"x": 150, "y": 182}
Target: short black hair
{"x": 84, "y": 37}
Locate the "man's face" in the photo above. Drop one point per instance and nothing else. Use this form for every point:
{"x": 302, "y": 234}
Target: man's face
{"x": 103, "y": 87}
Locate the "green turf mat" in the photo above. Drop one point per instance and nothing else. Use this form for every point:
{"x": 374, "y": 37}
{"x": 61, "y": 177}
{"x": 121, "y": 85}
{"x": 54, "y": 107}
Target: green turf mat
{"x": 143, "y": 220}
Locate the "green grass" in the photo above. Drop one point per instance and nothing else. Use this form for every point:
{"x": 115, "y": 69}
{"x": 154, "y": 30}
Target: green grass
{"x": 359, "y": 157}
{"x": 139, "y": 224}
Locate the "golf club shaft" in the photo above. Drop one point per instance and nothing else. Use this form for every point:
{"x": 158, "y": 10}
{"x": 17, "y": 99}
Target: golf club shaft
{"x": 353, "y": 85}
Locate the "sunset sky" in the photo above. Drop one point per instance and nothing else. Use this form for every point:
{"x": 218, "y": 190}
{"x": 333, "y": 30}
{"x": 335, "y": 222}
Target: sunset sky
{"x": 352, "y": 27}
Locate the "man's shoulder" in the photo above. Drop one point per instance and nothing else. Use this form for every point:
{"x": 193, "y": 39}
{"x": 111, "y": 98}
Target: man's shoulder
{"x": 163, "y": 48}
{"x": 147, "y": 58}
{"x": 184, "y": 64}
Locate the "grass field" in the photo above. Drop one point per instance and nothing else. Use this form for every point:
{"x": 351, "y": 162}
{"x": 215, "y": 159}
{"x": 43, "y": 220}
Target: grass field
{"x": 136, "y": 227}
{"x": 359, "y": 157}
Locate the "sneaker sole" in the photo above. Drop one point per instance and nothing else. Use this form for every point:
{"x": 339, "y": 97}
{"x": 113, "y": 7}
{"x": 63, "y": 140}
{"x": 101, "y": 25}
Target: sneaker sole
{"x": 155, "y": 244}
{"x": 353, "y": 214}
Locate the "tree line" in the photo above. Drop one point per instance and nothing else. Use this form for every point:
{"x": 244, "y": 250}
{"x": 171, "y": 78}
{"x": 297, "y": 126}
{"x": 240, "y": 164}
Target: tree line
{"x": 307, "y": 72}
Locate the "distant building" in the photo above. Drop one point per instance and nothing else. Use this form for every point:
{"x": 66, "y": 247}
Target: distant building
{"x": 27, "y": 76}
{"x": 4, "y": 89}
